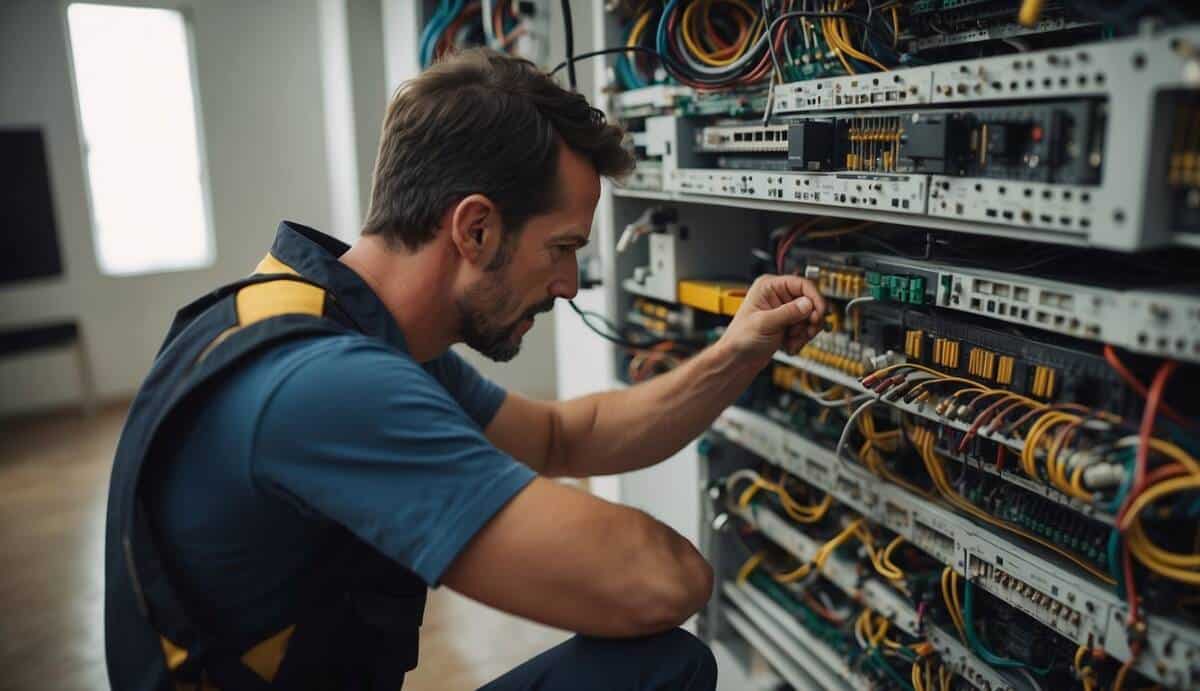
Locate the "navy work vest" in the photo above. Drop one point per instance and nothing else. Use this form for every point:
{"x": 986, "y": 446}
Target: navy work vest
{"x": 362, "y": 632}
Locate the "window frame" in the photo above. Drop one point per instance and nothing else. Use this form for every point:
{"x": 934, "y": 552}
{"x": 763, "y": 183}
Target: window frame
{"x": 209, "y": 230}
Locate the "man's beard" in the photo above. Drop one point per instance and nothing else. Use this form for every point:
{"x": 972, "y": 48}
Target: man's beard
{"x": 489, "y": 297}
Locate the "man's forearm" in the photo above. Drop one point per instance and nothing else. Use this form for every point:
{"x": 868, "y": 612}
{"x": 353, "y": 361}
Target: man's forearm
{"x": 623, "y": 430}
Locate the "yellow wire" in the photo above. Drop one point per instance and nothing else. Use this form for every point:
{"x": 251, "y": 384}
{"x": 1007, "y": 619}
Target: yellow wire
{"x": 822, "y": 554}
{"x": 1185, "y": 561}
{"x": 1159, "y": 490}
{"x": 1086, "y": 674}
{"x": 954, "y": 614}
{"x": 923, "y": 439}
{"x": 1166, "y": 448}
{"x": 887, "y": 554}
{"x": 748, "y": 568}
{"x": 708, "y": 57}
{"x": 958, "y": 607}
{"x": 795, "y": 510}
{"x": 833, "y": 40}
{"x": 1119, "y": 680}
{"x": 841, "y": 33}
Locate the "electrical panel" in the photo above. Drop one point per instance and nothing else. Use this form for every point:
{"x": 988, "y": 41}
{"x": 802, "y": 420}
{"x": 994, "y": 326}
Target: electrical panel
{"x": 982, "y": 473}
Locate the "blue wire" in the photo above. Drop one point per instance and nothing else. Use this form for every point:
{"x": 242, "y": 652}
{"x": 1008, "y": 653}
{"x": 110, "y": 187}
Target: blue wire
{"x": 1114, "y": 561}
{"x": 427, "y": 31}
{"x": 447, "y": 11}
{"x": 626, "y": 73}
{"x": 661, "y": 36}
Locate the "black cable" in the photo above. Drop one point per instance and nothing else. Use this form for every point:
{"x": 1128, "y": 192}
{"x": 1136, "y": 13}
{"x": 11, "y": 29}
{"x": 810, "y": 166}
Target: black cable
{"x": 570, "y": 41}
{"x": 605, "y": 51}
{"x": 618, "y": 340}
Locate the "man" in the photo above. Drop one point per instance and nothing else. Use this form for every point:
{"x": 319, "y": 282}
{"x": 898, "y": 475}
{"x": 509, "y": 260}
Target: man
{"x": 308, "y": 456}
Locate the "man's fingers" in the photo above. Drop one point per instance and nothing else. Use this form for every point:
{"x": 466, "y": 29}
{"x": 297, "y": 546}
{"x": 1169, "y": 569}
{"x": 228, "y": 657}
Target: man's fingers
{"x": 789, "y": 288}
{"x": 784, "y": 316}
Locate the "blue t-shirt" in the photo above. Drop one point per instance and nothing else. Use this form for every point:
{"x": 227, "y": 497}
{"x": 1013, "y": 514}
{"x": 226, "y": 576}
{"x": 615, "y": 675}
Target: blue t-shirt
{"x": 319, "y": 435}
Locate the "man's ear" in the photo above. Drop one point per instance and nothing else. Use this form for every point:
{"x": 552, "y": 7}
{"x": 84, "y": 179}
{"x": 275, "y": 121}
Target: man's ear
{"x": 475, "y": 229}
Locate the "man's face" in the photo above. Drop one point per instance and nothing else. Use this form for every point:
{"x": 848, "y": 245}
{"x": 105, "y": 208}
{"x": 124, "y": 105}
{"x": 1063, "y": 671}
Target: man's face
{"x": 534, "y": 267}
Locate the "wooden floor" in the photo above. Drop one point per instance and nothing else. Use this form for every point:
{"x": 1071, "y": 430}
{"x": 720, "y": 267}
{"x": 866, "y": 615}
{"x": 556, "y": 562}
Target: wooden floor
{"x": 53, "y": 483}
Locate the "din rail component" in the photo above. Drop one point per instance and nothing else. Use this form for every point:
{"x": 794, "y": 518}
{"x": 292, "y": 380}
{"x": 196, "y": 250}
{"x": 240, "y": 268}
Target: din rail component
{"x": 1025, "y": 576}
{"x": 1128, "y": 210}
{"x": 872, "y": 593}
{"x": 1159, "y": 322}
{"x": 749, "y": 138}
{"x": 780, "y": 660}
{"x": 1095, "y": 69}
{"x": 904, "y": 194}
{"x": 821, "y": 661}
{"x": 1015, "y": 444}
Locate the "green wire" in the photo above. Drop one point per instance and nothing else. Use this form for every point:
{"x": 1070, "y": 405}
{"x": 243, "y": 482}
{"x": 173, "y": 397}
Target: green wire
{"x": 881, "y": 663}
{"x": 977, "y": 644}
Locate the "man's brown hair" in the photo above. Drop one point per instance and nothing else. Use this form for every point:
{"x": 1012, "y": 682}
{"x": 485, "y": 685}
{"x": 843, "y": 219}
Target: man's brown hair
{"x": 481, "y": 122}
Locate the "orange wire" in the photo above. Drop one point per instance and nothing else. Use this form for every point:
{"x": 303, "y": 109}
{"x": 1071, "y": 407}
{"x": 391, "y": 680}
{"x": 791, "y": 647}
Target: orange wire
{"x": 1114, "y": 361}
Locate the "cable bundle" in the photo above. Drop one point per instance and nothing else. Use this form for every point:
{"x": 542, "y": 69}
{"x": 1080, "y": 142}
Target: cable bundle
{"x": 715, "y": 44}
{"x": 457, "y": 24}
{"x": 713, "y": 62}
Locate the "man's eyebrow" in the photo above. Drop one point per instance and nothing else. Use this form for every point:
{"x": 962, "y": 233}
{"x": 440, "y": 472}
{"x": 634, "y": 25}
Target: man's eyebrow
{"x": 579, "y": 239}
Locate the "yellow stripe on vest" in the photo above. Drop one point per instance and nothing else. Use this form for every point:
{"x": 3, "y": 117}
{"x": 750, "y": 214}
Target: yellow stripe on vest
{"x": 271, "y": 265}
{"x": 175, "y": 655}
{"x": 264, "y": 658}
{"x": 272, "y": 299}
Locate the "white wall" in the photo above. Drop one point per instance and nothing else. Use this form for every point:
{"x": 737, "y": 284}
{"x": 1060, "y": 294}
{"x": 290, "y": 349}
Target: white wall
{"x": 260, "y": 96}
{"x": 368, "y": 71}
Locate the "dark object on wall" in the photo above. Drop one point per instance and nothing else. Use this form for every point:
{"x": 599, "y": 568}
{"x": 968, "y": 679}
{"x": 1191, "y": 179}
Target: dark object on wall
{"x": 28, "y": 234}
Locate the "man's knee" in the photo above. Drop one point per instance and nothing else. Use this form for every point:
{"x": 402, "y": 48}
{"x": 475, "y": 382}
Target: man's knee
{"x": 689, "y": 656}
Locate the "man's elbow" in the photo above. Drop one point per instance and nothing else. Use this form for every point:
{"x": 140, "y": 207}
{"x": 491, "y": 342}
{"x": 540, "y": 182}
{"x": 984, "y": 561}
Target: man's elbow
{"x": 670, "y": 584}
{"x": 671, "y": 604}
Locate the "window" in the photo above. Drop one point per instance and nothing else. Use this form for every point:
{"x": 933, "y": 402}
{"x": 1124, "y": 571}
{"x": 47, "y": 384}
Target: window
{"x": 137, "y": 109}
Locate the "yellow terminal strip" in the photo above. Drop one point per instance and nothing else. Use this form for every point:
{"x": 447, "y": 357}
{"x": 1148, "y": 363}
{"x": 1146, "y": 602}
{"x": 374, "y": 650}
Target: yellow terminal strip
{"x": 1004, "y": 372}
{"x": 1043, "y": 382}
{"x": 913, "y": 341}
{"x": 714, "y": 297}
{"x": 945, "y": 353}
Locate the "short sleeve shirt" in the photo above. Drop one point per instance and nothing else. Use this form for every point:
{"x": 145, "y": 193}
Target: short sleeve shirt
{"x": 314, "y": 438}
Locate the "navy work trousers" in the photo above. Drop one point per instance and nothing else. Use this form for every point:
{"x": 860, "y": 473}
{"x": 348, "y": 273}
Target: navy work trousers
{"x": 671, "y": 661}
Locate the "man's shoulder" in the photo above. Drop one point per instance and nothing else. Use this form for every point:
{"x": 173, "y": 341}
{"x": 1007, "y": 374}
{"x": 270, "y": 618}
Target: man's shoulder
{"x": 332, "y": 354}
{"x": 341, "y": 366}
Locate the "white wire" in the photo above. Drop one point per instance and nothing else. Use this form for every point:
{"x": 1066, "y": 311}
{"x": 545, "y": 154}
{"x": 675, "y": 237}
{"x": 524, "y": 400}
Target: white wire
{"x": 493, "y": 41}
{"x": 858, "y": 636}
{"x": 846, "y": 434}
{"x": 855, "y": 301}
{"x": 835, "y": 403}
{"x": 743, "y": 474}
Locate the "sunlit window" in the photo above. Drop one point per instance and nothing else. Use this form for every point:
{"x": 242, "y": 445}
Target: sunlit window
{"x": 137, "y": 106}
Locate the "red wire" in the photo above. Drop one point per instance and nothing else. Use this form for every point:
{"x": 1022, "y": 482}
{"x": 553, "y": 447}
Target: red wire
{"x": 446, "y": 43}
{"x": 979, "y": 420}
{"x": 1165, "y": 472}
{"x": 1153, "y": 400}
{"x": 1110, "y": 354}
